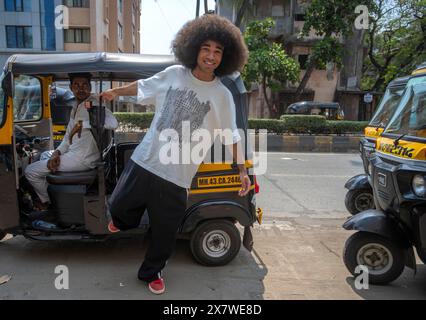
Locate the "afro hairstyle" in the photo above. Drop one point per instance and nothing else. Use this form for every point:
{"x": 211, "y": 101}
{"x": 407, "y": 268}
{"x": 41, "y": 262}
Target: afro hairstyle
{"x": 193, "y": 34}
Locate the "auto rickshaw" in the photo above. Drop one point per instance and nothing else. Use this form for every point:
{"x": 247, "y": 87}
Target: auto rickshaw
{"x": 79, "y": 199}
{"x": 386, "y": 237}
{"x": 330, "y": 110}
{"x": 360, "y": 193}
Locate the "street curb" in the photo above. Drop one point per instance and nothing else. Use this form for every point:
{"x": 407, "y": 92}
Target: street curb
{"x": 284, "y": 143}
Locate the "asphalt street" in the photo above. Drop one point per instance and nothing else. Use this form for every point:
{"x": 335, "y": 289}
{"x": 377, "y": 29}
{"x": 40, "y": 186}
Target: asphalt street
{"x": 297, "y": 252}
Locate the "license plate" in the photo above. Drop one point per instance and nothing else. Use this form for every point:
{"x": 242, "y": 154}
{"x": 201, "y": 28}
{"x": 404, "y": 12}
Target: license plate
{"x": 381, "y": 179}
{"x": 220, "y": 181}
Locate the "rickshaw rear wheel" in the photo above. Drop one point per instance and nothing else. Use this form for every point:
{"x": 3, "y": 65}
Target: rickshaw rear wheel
{"x": 215, "y": 242}
{"x": 359, "y": 200}
{"x": 384, "y": 259}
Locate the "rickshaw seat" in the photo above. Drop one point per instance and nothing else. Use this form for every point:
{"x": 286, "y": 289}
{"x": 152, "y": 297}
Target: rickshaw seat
{"x": 72, "y": 178}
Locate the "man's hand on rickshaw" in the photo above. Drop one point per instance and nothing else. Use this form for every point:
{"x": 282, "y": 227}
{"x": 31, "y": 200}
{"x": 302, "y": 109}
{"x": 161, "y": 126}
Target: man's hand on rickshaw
{"x": 108, "y": 95}
{"x": 245, "y": 182}
{"x": 54, "y": 161}
{"x": 77, "y": 129}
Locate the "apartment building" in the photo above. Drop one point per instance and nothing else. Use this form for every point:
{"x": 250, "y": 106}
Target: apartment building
{"x": 323, "y": 85}
{"x": 94, "y": 25}
{"x": 103, "y": 25}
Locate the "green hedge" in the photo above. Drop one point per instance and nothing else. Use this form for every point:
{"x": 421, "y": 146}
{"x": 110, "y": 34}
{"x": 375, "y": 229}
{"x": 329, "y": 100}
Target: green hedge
{"x": 296, "y": 124}
{"x": 134, "y": 120}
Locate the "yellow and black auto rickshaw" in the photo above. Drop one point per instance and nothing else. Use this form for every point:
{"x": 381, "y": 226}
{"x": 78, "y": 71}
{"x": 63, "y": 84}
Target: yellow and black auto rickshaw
{"x": 386, "y": 237}
{"x": 360, "y": 194}
{"x": 79, "y": 198}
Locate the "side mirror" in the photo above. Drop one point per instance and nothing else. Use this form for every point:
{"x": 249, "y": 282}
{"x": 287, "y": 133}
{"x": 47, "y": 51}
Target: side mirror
{"x": 7, "y": 85}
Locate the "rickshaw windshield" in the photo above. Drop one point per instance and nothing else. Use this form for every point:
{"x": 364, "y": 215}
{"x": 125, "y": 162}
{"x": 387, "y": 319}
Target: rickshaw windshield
{"x": 2, "y": 102}
{"x": 410, "y": 117}
{"x": 387, "y": 107}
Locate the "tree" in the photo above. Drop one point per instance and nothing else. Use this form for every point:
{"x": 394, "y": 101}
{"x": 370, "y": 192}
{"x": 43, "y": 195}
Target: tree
{"x": 268, "y": 63}
{"x": 396, "y": 41}
{"x": 331, "y": 20}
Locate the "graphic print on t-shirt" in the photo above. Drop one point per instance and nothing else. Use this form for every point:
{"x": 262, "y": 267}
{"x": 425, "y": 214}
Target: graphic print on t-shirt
{"x": 179, "y": 106}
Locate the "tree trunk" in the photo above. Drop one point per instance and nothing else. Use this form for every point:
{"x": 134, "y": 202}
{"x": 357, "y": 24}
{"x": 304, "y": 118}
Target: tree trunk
{"x": 268, "y": 103}
{"x": 304, "y": 82}
{"x": 241, "y": 11}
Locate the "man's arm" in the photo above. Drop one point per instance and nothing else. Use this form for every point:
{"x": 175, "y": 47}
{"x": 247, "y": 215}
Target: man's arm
{"x": 239, "y": 158}
{"x": 129, "y": 90}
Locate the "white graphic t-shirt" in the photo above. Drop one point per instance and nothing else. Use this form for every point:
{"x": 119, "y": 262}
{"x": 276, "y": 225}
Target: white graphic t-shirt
{"x": 189, "y": 113}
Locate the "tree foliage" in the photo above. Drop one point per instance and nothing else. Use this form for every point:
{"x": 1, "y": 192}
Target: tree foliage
{"x": 332, "y": 20}
{"x": 268, "y": 63}
{"x": 396, "y": 41}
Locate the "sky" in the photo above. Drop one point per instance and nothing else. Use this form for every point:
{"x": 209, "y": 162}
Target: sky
{"x": 162, "y": 19}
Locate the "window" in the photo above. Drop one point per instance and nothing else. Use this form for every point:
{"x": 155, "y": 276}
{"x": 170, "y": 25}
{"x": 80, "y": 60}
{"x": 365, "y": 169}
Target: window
{"x": 120, "y": 31}
{"x": 299, "y": 17}
{"x": 17, "y": 5}
{"x": 77, "y": 3}
{"x": 120, "y": 6}
{"x": 27, "y": 99}
{"x": 77, "y": 35}
{"x": 19, "y": 37}
{"x": 303, "y": 61}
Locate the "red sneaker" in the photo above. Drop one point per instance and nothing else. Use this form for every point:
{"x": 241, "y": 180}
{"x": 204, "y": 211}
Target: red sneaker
{"x": 112, "y": 228}
{"x": 157, "y": 286}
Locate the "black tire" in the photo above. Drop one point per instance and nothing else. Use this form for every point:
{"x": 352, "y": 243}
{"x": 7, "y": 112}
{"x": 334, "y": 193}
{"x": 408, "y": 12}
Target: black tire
{"x": 2, "y": 234}
{"x": 223, "y": 235}
{"x": 391, "y": 255}
{"x": 359, "y": 200}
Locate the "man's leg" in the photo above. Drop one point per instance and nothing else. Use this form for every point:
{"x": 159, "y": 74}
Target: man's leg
{"x": 36, "y": 174}
{"x": 128, "y": 200}
{"x": 166, "y": 210}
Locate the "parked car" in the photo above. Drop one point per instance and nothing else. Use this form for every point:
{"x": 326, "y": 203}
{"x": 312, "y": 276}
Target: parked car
{"x": 331, "y": 110}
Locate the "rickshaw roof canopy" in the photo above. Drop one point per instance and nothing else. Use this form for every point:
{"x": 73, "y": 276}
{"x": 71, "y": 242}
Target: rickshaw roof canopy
{"x": 402, "y": 81}
{"x": 112, "y": 66}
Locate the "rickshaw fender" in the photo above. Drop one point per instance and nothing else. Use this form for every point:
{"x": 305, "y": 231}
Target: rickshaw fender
{"x": 215, "y": 210}
{"x": 358, "y": 182}
{"x": 377, "y": 222}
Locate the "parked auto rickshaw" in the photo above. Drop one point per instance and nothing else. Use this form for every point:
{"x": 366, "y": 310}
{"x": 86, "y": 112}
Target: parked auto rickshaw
{"x": 360, "y": 193}
{"x": 79, "y": 198}
{"x": 330, "y": 110}
{"x": 386, "y": 237}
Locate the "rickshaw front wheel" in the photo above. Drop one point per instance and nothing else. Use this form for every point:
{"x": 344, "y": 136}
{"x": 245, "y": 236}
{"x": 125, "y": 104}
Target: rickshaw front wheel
{"x": 359, "y": 200}
{"x": 215, "y": 242}
{"x": 384, "y": 259}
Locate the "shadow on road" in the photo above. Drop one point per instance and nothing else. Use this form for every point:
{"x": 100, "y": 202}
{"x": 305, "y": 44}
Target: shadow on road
{"x": 108, "y": 270}
{"x": 407, "y": 286}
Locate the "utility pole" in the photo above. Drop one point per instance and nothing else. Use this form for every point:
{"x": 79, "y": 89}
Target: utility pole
{"x": 197, "y": 12}
{"x": 206, "y": 7}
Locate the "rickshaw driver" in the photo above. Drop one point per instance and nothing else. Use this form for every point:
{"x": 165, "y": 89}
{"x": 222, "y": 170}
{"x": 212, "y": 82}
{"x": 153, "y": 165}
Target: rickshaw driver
{"x": 74, "y": 153}
{"x": 207, "y": 47}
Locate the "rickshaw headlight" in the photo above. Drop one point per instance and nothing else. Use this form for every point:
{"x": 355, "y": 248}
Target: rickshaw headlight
{"x": 419, "y": 185}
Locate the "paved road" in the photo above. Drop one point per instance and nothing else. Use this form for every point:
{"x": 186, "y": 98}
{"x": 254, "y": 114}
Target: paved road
{"x": 297, "y": 250}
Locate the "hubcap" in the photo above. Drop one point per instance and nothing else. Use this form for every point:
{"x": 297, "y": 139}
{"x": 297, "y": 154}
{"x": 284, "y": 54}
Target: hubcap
{"x": 364, "y": 201}
{"x": 376, "y": 257}
{"x": 216, "y": 243}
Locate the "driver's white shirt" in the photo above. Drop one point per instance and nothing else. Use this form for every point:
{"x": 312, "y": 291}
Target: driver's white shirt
{"x": 84, "y": 149}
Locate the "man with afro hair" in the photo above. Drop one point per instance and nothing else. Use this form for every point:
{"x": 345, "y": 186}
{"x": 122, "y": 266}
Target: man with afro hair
{"x": 189, "y": 96}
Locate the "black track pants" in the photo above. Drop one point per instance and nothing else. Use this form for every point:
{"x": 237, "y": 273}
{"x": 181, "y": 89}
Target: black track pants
{"x": 137, "y": 190}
